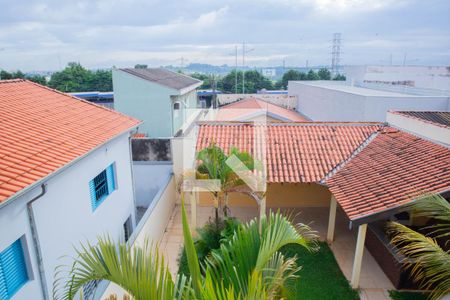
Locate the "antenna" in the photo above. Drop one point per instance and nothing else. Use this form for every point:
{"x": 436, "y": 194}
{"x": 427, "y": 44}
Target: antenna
{"x": 336, "y": 53}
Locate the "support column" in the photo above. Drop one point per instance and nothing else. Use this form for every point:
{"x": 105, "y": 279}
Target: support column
{"x": 358, "y": 255}
{"x": 262, "y": 207}
{"x": 331, "y": 220}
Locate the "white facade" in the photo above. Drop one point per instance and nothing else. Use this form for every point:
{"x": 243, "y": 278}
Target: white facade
{"x": 427, "y": 130}
{"x": 64, "y": 216}
{"x": 337, "y": 101}
{"x": 427, "y": 77}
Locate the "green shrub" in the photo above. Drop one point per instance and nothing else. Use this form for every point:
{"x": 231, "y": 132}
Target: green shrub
{"x": 209, "y": 238}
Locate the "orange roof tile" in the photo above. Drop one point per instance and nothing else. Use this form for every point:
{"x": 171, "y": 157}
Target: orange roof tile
{"x": 245, "y": 108}
{"x": 42, "y": 130}
{"x": 296, "y": 152}
{"x": 394, "y": 168}
{"x": 139, "y": 135}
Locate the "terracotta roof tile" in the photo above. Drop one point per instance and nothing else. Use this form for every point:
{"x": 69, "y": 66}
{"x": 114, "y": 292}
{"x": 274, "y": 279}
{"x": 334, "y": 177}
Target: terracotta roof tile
{"x": 42, "y": 130}
{"x": 249, "y": 107}
{"x": 296, "y": 152}
{"x": 391, "y": 170}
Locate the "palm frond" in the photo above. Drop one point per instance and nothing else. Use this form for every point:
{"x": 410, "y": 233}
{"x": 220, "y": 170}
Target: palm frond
{"x": 249, "y": 254}
{"x": 437, "y": 207}
{"x": 430, "y": 264}
{"x": 191, "y": 253}
{"x": 142, "y": 272}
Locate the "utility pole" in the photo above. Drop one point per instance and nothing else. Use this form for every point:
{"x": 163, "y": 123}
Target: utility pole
{"x": 236, "y": 72}
{"x": 243, "y": 67}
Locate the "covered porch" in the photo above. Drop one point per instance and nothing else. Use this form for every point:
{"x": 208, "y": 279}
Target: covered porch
{"x": 373, "y": 283}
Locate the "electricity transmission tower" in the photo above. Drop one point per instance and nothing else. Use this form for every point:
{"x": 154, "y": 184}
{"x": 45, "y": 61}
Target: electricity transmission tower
{"x": 335, "y": 53}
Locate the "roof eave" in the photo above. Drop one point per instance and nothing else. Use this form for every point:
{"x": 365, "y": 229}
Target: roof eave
{"x": 37, "y": 183}
{"x": 386, "y": 213}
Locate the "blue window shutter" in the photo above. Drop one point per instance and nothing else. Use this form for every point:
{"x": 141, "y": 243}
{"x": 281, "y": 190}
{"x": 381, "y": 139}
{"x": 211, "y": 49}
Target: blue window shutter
{"x": 14, "y": 268}
{"x": 93, "y": 196}
{"x": 111, "y": 178}
{"x": 3, "y": 288}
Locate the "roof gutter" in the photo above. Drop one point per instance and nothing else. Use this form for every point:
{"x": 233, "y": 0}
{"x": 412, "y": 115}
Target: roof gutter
{"x": 36, "y": 244}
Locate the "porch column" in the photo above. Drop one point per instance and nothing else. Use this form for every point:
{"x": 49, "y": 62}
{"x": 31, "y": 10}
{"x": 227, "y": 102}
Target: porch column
{"x": 331, "y": 220}
{"x": 193, "y": 197}
{"x": 262, "y": 207}
{"x": 358, "y": 255}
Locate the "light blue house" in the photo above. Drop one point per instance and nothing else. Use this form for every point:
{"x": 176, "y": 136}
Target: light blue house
{"x": 159, "y": 97}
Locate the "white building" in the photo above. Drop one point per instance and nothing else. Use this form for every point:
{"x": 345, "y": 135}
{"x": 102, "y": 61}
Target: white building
{"x": 421, "y": 77}
{"x": 432, "y": 125}
{"x": 65, "y": 178}
{"x": 338, "y": 101}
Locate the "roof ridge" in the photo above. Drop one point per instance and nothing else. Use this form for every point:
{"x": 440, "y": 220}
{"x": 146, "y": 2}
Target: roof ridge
{"x": 80, "y": 99}
{"x": 292, "y": 123}
{"x": 358, "y": 149}
{"x": 12, "y": 80}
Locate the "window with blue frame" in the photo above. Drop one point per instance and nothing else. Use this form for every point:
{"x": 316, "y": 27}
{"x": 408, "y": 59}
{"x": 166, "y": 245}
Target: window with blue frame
{"x": 102, "y": 185}
{"x": 13, "y": 270}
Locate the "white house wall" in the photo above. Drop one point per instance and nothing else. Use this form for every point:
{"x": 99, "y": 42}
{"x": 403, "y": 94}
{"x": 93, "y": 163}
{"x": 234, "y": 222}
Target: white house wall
{"x": 148, "y": 180}
{"x": 64, "y": 216}
{"x": 324, "y": 104}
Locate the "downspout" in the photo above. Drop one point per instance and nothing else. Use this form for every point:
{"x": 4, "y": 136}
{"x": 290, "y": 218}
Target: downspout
{"x": 35, "y": 237}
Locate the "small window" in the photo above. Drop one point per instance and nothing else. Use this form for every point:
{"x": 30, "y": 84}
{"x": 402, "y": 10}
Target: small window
{"x": 13, "y": 270}
{"x": 102, "y": 185}
{"x": 176, "y": 106}
{"x": 127, "y": 229}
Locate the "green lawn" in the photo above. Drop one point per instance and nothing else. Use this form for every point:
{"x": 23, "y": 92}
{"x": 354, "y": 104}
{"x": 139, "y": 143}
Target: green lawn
{"x": 396, "y": 295}
{"x": 320, "y": 276}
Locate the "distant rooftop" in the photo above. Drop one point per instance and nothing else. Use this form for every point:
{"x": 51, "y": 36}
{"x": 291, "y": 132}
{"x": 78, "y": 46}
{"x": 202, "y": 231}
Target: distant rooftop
{"x": 440, "y": 118}
{"x": 164, "y": 77}
{"x": 249, "y": 107}
{"x": 355, "y": 89}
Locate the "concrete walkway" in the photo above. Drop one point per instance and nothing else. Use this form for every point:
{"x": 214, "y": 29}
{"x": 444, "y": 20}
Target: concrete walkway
{"x": 373, "y": 284}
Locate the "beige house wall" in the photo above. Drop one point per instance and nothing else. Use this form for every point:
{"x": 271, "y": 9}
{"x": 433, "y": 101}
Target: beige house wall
{"x": 280, "y": 195}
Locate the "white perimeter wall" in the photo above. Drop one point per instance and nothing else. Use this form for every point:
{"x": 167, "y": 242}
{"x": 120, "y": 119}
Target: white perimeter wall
{"x": 148, "y": 180}
{"x": 64, "y": 215}
{"x": 151, "y": 228}
{"x": 322, "y": 104}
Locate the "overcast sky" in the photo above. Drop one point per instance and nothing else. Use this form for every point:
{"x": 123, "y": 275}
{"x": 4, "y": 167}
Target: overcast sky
{"x": 45, "y": 35}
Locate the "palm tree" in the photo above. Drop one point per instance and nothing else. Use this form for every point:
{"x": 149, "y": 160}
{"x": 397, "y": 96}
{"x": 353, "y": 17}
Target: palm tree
{"x": 213, "y": 165}
{"x": 250, "y": 266}
{"x": 429, "y": 262}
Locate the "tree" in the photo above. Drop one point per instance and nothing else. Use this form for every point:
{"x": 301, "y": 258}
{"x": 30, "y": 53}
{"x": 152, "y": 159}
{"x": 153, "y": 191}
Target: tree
{"x": 207, "y": 82}
{"x": 19, "y": 74}
{"x": 37, "y": 79}
{"x": 254, "y": 81}
{"x": 339, "y": 77}
{"x": 290, "y": 75}
{"x": 312, "y": 75}
{"x": 140, "y": 66}
{"x": 324, "y": 74}
{"x": 429, "y": 262}
{"x": 250, "y": 266}
{"x": 74, "y": 78}
{"x": 213, "y": 165}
